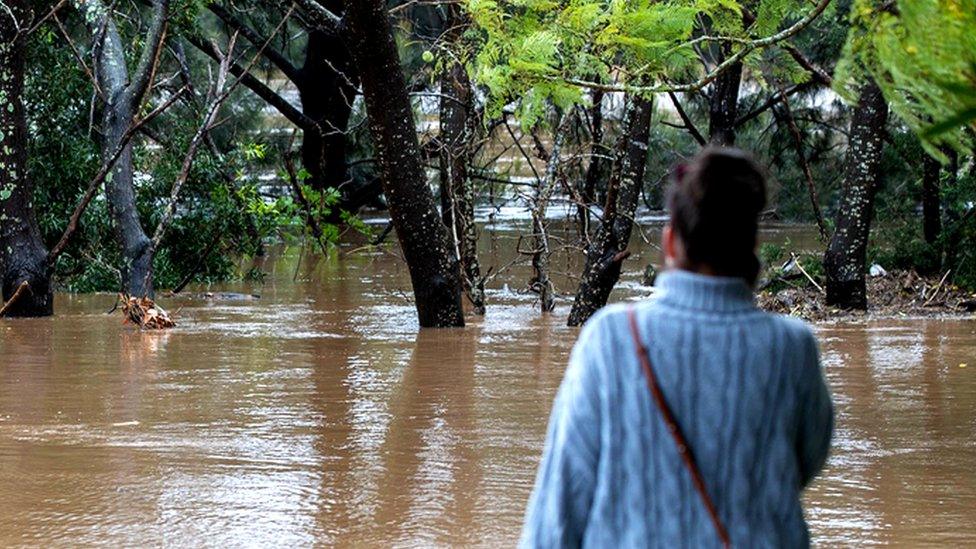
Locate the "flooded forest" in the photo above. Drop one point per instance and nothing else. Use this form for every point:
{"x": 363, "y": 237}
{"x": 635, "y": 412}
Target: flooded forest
{"x": 309, "y": 272}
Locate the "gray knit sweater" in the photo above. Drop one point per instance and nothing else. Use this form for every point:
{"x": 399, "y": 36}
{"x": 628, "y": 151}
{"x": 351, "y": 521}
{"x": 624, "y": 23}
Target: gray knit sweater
{"x": 747, "y": 390}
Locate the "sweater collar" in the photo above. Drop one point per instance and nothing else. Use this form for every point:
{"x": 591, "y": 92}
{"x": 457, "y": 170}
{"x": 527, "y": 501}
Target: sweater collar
{"x": 687, "y": 290}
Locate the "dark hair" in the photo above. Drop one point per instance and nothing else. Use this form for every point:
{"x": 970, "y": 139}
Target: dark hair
{"x": 715, "y": 202}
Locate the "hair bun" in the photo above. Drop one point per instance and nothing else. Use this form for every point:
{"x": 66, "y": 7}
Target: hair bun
{"x": 715, "y": 204}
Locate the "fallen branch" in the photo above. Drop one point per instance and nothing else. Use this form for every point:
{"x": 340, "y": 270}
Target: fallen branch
{"x": 24, "y": 287}
{"x": 796, "y": 261}
{"x": 938, "y": 287}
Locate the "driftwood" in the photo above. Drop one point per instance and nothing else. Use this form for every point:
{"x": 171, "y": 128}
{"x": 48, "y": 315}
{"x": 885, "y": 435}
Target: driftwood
{"x": 24, "y": 287}
{"x": 144, "y": 313}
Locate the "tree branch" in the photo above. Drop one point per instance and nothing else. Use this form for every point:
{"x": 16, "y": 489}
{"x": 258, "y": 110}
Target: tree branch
{"x": 772, "y": 101}
{"x": 708, "y": 78}
{"x": 252, "y": 36}
{"x": 818, "y": 73}
{"x": 294, "y": 115}
{"x": 320, "y": 16}
{"x": 96, "y": 182}
{"x": 689, "y": 125}
{"x": 149, "y": 59}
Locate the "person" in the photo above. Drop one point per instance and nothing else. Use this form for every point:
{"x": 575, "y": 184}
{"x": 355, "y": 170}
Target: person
{"x": 751, "y": 415}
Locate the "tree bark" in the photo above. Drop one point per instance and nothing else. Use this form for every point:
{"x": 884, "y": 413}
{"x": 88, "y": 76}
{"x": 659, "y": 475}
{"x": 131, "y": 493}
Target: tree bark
{"x": 458, "y": 121}
{"x": 434, "y": 270}
{"x": 931, "y": 200}
{"x": 22, "y": 253}
{"x": 122, "y": 94}
{"x": 597, "y": 168}
{"x": 846, "y": 255}
{"x": 608, "y": 249}
{"x": 541, "y": 282}
{"x": 327, "y": 89}
{"x": 723, "y": 106}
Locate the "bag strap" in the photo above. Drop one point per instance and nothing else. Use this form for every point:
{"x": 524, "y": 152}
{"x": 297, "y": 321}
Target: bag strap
{"x": 679, "y": 439}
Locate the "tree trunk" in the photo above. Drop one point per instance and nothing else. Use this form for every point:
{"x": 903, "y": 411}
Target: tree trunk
{"x": 122, "y": 93}
{"x": 846, "y": 255}
{"x": 608, "y": 249}
{"x": 723, "y": 106}
{"x": 597, "y": 167}
{"x": 541, "y": 283}
{"x": 22, "y": 252}
{"x": 121, "y": 197}
{"x": 327, "y": 89}
{"x": 434, "y": 270}
{"x": 931, "y": 200}
{"x": 458, "y": 120}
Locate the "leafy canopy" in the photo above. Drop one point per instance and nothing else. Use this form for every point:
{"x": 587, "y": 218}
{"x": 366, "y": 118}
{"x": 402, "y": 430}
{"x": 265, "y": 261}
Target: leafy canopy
{"x": 922, "y": 54}
{"x": 547, "y": 51}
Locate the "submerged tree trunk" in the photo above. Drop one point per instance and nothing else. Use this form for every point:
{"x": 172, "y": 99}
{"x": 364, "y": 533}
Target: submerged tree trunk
{"x": 597, "y": 168}
{"x": 22, "y": 253}
{"x": 458, "y": 130}
{"x": 607, "y": 252}
{"x": 434, "y": 270}
{"x": 931, "y": 200}
{"x": 846, "y": 255}
{"x": 122, "y": 94}
{"x": 723, "y": 106}
{"x": 541, "y": 282}
{"x": 119, "y": 190}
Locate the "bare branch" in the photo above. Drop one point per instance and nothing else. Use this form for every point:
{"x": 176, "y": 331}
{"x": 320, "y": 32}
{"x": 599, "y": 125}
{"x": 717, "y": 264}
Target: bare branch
{"x": 99, "y": 178}
{"x": 149, "y": 59}
{"x": 686, "y": 120}
{"x": 255, "y": 38}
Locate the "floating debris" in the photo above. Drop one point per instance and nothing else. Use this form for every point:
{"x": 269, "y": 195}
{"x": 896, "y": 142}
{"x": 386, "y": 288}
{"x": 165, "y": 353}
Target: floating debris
{"x": 897, "y": 293}
{"x": 144, "y": 313}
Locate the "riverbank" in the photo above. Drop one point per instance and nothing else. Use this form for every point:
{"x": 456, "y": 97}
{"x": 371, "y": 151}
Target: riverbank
{"x": 891, "y": 295}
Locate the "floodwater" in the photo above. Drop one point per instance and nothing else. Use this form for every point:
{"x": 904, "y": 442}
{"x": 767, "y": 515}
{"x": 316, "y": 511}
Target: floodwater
{"x": 317, "y": 415}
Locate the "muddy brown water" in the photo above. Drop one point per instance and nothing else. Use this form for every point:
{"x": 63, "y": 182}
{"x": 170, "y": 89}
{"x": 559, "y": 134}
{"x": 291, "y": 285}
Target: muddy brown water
{"x": 317, "y": 415}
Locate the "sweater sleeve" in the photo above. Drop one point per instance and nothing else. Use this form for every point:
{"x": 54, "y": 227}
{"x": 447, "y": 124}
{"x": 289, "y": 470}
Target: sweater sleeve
{"x": 816, "y": 413}
{"x": 560, "y": 502}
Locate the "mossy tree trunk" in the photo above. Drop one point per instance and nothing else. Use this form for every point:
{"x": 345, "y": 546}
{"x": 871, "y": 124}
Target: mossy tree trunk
{"x": 434, "y": 270}
{"x": 22, "y": 253}
{"x": 607, "y": 251}
{"x": 458, "y": 123}
{"x": 846, "y": 256}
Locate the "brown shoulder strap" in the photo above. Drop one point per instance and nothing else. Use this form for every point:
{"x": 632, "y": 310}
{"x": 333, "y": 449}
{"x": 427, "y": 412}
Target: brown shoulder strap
{"x": 679, "y": 439}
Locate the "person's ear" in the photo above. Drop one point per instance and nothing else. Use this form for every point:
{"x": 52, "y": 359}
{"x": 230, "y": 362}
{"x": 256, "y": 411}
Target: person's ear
{"x": 667, "y": 244}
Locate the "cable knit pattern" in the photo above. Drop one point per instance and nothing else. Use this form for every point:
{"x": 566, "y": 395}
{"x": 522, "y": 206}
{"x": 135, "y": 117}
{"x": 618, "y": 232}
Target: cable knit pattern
{"x": 746, "y": 388}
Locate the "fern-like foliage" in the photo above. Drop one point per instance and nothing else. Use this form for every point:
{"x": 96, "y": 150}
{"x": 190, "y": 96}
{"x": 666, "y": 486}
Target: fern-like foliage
{"x": 535, "y": 53}
{"x": 922, "y": 53}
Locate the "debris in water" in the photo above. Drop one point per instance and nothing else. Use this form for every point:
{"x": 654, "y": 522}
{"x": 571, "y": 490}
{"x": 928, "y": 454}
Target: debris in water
{"x": 144, "y": 312}
{"x": 897, "y": 293}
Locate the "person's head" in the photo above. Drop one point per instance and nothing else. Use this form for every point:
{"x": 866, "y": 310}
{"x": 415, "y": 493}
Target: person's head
{"x": 715, "y": 202}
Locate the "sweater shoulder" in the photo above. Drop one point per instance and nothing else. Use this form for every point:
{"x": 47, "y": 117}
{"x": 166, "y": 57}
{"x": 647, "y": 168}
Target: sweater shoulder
{"x": 799, "y": 331}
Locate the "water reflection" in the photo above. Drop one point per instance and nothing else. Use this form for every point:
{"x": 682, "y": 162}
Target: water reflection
{"x": 899, "y": 473}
